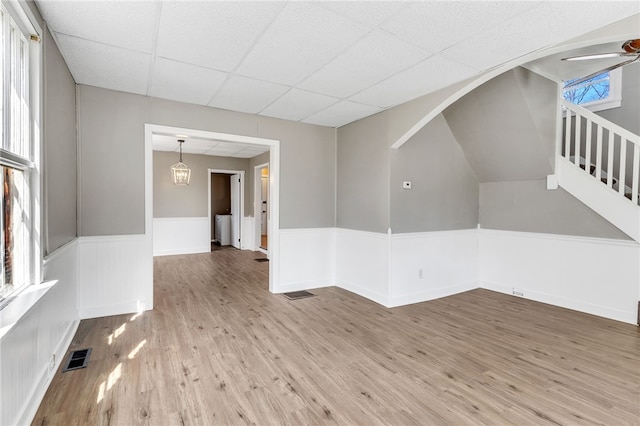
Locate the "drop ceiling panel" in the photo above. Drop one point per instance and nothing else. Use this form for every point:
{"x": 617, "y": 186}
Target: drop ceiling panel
{"x": 429, "y": 75}
{"x": 206, "y": 147}
{"x": 292, "y": 60}
{"x": 430, "y": 24}
{"x": 127, "y": 24}
{"x": 370, "y": 13}
{"x": 341, "y": 113}
{"x": 297, "y": 104}
{"x": 247, "y": 94}
{"x": 303, "y": 38}
{"x": 524, "y": 34}
{"x": 184, "y": 82}
{"x": 96, "y": 64}
{"x": 212, "y": 34}
{"x": 373, "y": 58}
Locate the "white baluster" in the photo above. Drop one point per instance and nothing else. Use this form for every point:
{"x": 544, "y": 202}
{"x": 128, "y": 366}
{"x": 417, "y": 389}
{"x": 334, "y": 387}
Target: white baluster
{"x": 636, "y": 172}
{"x": 610, "y": 161}
{"x": 623, "y": 164}
{"x": 599, "y": 153}
{"x": 576, "y": 151}
{"x": 587, "y": 149}
{"x": 567, "y": 133}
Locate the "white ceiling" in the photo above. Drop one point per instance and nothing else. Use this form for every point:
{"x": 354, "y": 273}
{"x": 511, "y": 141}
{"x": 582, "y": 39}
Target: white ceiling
{"x": 207, "y": 146}
{"x": 326, "y": 63}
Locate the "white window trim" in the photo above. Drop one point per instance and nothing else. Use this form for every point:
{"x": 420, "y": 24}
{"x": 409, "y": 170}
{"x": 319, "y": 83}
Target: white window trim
{"x": 615, "y": 94}
{"x": 22, "y": 299}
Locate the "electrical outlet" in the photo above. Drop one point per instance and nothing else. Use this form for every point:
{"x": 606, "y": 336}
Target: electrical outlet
{"x": 518, "y": 292}
{"x": 52, "y": 363}
{"x": 420, "y": 276}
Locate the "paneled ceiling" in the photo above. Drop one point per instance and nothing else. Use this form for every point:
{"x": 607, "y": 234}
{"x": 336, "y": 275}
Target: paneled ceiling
{"x": 325, "y": 63}
{"x": 202, "y": 146}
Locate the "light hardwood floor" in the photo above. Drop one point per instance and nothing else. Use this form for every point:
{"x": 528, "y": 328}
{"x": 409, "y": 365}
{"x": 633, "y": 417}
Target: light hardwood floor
{"x": 219, "y": 349}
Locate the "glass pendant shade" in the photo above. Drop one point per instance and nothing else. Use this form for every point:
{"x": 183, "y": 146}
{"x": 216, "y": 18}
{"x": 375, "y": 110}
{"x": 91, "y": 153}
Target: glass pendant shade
{"x": 181, "y": 173}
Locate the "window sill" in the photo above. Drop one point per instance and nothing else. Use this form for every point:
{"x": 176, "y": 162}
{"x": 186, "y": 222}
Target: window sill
{"x": 21, "y": 304}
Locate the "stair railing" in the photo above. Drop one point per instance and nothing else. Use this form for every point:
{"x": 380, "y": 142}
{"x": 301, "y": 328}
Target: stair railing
{"x": 618, "y": 142}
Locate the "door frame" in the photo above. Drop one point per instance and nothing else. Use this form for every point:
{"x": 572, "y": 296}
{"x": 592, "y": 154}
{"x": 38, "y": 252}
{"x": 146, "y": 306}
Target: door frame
{"x": 274, "y": 191}
{"x": 257, "y": 206}
{"x": 241, "y": 195}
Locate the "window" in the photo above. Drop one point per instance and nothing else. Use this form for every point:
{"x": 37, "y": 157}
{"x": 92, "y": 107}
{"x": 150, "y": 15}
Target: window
{"x": 601, "y": 92}
{"x": 18, "y": 172}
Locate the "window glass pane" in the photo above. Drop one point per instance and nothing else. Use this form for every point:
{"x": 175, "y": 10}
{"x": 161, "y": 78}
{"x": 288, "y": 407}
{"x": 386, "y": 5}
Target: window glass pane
{"x": 15, "y": 236}
{"x": 592, "y": 90}
{"x": 18, "y": 103}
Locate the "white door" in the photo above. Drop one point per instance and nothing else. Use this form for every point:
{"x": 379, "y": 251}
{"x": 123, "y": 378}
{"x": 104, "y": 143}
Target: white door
{"x": 235, "y": 211}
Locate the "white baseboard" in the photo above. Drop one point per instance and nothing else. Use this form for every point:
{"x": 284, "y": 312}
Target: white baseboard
{"x": 110, "y": 309}
{"x": 366, "y": 292}
{"x": 563, "y": 302}
{"x": 435, "y": 293}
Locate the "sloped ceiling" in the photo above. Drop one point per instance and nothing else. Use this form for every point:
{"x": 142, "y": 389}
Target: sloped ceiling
{"x": 326, "y": 63}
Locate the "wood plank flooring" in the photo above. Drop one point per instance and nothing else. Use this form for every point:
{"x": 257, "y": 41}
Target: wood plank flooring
{"x": 219, "y": 349}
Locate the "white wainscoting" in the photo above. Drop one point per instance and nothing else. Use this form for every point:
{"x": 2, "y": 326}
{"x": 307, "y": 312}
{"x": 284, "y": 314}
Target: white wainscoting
{"x": 306, "y": 259}
{"x": 115, "y": 275}
{"x": 39, "y": 335}
{"x": 592, "y": 275}
{"x": 430, "y": 265}
{"x": 181, "y": 235}
{"x": 362, "y": 264}
{"x": 248, "y": 234}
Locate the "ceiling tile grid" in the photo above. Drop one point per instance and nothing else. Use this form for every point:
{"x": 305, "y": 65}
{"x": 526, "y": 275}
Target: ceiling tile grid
{"x": 101, "y": 65}
{"x": 183, "y": 82}
{"x": 298, "y": 104}
{"x": 303, "y": 38}
{"x": 370, "y": 60}
{"x": 327, "y": 63}
{"x": 245, "y": 94}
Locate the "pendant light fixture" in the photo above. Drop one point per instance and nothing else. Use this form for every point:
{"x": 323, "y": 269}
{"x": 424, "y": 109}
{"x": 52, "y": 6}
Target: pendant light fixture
{"x": 181, "y": 173}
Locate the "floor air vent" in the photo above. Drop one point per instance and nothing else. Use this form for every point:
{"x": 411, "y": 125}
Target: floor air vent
{"x": 262, "y": 259}
{"x": 295, "y": 295}
{"x": 77, "y": 359}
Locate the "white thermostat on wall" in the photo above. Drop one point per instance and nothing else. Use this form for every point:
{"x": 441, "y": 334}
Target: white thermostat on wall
{"x": 406, "y": 184}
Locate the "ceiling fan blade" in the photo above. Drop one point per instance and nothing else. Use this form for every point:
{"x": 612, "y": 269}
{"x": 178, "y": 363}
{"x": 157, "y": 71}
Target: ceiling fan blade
{"x": 611, "y": 68}
{"x": 598, "y": 56}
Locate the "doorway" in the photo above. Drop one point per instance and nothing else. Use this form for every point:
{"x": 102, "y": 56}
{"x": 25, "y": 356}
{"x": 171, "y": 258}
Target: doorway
{"x": 226, "y": 207}
{"x": 274, "y": 195}
{"x": 261, "y": 207}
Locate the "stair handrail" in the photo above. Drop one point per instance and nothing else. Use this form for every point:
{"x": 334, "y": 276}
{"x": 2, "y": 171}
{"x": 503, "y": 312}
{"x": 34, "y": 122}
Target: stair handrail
{"x": 573, "y": 139}
{"x": 595, "y": 118}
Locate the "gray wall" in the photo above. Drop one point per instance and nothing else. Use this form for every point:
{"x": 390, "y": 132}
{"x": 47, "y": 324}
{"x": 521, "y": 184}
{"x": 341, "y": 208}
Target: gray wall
{"x": 363, "y": 161}
{"x": 500, "y": 137}
{"x": 627, "y": 115}
{"x": 528, "y": 206}
{"x": 363, "y": 176}
{"x": 170, "y": 200}
{"x": 112, "y": 162}
{"x": 60, "y": 148}
{"x": 444, "y": 192}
